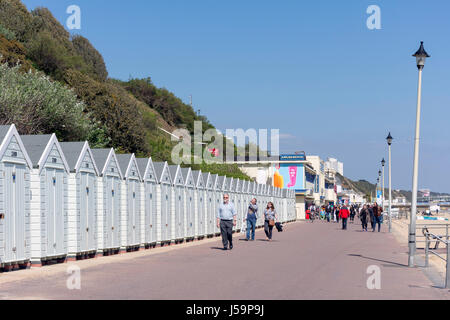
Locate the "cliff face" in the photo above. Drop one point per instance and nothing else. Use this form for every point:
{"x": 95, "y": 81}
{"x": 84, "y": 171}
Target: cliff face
{"x": 366, "y": 188}
{"x": 124, "y": 115}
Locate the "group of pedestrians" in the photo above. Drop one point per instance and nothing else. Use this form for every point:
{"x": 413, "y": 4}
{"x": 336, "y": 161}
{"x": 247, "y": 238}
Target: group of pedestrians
{"x": 329, "y": 213}
{"x": 372, "y": 213}
{"x": 226, "y": 219}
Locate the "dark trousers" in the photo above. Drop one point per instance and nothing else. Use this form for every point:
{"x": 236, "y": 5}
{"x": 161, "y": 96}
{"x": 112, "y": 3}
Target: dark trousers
{"x": 268, "y": 229}
{"x": 226, "y": 228}
{"x": 364, "y": 224}
{"x": 377, "y": 220}
{"x": 344, "y": 223}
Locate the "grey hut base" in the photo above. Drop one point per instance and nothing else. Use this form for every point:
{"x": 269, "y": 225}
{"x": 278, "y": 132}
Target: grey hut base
{"x": 150, "y": 245}
{"x": 82, "y": 255}
{"x": 132, "y": 248}
{"x": 166, "y": 243}
{"x": 13, "y": 266}
{"x": 108, "y": 252}
{"x": 48, "y": 261}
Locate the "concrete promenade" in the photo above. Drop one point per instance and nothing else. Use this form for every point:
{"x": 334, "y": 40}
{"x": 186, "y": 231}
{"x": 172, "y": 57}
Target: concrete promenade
{"x": 307, "y": 261}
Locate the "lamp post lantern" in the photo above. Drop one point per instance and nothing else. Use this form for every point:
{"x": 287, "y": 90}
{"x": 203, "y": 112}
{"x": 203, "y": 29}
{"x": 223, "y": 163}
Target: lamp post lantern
{"x": 421, "y": 55}
{"x": 382, "y": 194}
{"x": 389, "y": 141}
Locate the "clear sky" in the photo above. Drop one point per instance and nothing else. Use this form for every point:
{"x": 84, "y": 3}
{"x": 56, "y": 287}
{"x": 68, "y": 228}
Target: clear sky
{"x": 309, "y": 68}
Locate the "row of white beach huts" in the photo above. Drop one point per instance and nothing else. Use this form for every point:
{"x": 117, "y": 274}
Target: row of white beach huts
{"x": 65, "y": 200}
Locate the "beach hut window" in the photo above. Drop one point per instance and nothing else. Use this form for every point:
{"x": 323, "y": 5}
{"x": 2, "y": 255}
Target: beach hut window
{"x": 14, "y": 154}
{"x": 54, "y": 160}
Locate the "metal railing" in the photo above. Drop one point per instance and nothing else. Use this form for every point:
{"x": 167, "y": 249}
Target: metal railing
{"x": 429, "y": 237}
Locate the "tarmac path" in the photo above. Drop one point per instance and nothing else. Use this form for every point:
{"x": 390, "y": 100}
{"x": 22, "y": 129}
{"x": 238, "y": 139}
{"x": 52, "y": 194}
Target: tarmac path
{"x": 307, "y": 261}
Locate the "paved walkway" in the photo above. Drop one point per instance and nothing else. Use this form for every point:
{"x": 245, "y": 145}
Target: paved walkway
{"x": 308, "y": 261}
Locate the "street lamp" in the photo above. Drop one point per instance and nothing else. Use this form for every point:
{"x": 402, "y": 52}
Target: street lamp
{"x": 379, "y": 177}
{"x": 389, "y": 141}
{"x": 382, "y": 195}
{"x": 376, "y": 188}
{"x": 421, "y": 55}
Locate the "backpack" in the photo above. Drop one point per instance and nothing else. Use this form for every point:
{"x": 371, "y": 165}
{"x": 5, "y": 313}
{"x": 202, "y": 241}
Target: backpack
{"x": 379, "y": 211}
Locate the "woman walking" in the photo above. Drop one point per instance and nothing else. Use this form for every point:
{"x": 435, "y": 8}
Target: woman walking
{"x": 270, "y": 215}
{"x": 364, "y": 215}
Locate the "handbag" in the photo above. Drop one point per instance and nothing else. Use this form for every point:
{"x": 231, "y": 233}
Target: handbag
{"x": 279, "y": 227}
{"x": 271, "y": 223}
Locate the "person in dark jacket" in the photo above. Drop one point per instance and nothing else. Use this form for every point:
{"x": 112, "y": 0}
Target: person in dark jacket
{"x": 252, "y": 217}
{"x": 363, "y": 216}
{"x": 336, "y": 213}
{"x": 372, "y": 217}
{"x": 377, "y": 212}
{"x": 352, "y": 213}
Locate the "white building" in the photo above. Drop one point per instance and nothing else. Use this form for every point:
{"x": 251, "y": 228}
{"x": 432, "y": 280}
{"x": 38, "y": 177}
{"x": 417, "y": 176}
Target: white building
{"x": 334, "y": 164}
{"x": 323, "y": 190}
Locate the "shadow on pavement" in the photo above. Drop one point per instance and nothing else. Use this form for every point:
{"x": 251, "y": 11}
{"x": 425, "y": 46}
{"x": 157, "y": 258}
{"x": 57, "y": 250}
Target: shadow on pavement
{"x": 379, "y": 260}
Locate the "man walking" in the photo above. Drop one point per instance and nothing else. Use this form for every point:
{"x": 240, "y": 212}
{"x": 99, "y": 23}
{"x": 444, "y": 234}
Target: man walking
{"x": 344, "y": 213}
{"x": 252, "y": 217}
{"x": 226, "y": 219}
{"x": 377, "y": 212}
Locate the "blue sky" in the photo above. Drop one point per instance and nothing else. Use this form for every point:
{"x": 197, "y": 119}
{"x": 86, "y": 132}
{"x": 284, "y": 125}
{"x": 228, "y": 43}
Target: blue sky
{"x": 310, "y": 68}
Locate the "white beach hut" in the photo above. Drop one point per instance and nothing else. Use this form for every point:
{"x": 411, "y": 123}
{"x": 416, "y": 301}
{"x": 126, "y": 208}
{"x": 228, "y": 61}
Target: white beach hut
{"x": 178, "y": 203}
{"x": 149, "y": 209}
{"x": 189, "y": 203}
{"x": 210, "y": 205}
{"x": 200, "y": 207}
{"x": 216, "y": 190}
{"x": 109, "y": 188}
{"x": 238, "y": 203}
{"x": 82, "y": 210}
{"x": 164, "y": 202}
{"x": 130, "y": 230}
{"x": 15, "y": 166}
{"x": 49, "y": 199}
